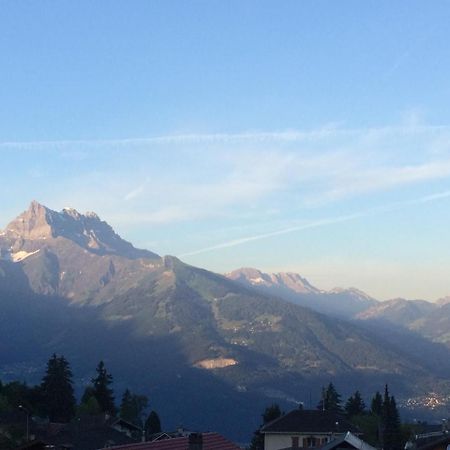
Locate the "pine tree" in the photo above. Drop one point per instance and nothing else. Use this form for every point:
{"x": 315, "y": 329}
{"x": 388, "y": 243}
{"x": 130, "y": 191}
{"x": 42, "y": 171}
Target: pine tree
{"x": 126, "y": 407}
{"x": 57, "y": 390}
{"x": 132, "y": 406}
{"x": 331, "y": 399}
{"x": 89, "y": 407}
{"x": 152, "y": 424}
{"x": 87, "y": 394}
{"x": 101, "y": 390}
{"x": 376, "y": 407}
{"x": 395, "y": 425}
{"x": 390, "y": 423}
{"x": 355, "y": 405}
{"x": 272, "y": 412}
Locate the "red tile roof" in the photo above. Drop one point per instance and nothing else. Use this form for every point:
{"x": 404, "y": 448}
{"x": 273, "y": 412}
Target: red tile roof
{"x": 211, "y": 441}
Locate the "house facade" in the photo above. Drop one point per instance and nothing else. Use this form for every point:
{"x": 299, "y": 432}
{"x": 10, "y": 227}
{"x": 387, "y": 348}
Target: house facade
{"x": 305, "y": 429}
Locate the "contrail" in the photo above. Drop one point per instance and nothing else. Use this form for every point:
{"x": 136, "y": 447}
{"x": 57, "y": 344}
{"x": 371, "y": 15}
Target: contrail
{"x": 323, "y": 222}
{"x": 315, "y": 224}
{"x": 293, "y": 135}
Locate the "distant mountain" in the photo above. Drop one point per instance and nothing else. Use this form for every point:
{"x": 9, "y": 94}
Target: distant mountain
{"x": 398, "y": 311}
{"x": 435, "y": 325}
{"x": 427, "y": 319}
{"x": 194, "y": 341}
{"x": 443, "y": 301}
{"x": 431, "y": 320}
{"x": 293, "y": 287}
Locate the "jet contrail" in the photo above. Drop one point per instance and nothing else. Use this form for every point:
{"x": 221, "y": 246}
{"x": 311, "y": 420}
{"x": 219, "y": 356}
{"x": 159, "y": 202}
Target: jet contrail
{"x": 322, "y": 222}
{"x": 315, "y": 224}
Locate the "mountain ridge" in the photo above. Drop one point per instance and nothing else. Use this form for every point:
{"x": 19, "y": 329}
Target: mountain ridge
{"x": 342, "y": 302}
{"x": 429, "y": 319}
{"x": 221, "y": 337}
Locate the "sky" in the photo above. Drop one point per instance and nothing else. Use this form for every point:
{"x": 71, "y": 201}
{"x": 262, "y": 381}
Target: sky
{"x": 304, "y": 136}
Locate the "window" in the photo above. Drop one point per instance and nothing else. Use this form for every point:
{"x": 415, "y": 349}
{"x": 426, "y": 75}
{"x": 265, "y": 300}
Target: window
{"x": 294, "y": 441}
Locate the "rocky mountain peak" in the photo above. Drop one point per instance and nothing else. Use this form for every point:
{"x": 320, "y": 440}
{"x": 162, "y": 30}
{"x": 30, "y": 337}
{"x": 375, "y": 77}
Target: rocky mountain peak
{"x": 39, "y": 223}
{"x": 244, "y": 272}
{"x": 72, "y": 212}
{"x": 286, "y": 280}
{"x": 34, "y": 223}
{"x": 357, "y": 294}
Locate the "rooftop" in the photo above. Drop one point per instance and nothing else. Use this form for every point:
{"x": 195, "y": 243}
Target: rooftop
{"x": 211, "y": 441}
{"x": 310, "y": 421}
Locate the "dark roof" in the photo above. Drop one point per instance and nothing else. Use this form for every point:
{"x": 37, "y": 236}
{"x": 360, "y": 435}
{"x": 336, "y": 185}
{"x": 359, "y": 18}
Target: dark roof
{"x": 349, "y": 440}
{"x": 310, "y": 421}
{"x": 126, "y": 424}
{"x": 437, "y": 442}
{"x": 211, "y": 441}
{"x": 82, "y": 435}
{"x": 430, "y": 428}
{"x": 344, "y": 441}
{"x": 33, "y": 445}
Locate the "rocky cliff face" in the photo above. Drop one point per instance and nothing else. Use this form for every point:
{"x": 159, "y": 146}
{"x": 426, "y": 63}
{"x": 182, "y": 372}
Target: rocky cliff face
{"x": 39, "y": 223}
{"x": 32, "y": 224}
{"x": 73, "y": 255}
{"x": 283, "y": 280}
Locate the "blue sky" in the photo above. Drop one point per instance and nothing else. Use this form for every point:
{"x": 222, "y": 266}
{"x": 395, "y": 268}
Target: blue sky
{"x": 310, "y": 136}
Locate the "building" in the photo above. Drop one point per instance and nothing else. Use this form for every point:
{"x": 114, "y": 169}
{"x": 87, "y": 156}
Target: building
{"x": 305, "y": 429}
{"x": 195, "y": 441}
{"x": 349, "y": 441}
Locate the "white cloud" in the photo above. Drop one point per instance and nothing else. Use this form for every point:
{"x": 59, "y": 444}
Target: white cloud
{"x": 201, "y": 176}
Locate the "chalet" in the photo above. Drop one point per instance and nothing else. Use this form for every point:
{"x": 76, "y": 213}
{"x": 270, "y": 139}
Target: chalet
{"x": 305, "y": 429}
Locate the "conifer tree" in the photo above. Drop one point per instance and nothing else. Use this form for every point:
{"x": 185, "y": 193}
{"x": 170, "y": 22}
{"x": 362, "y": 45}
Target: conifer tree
{"x": 90, "y": 407}
{"x": 87, "y": 394}
{"x": 390, "y": 423}
{"x": 331, "y": 399}
{"x": 132, "y": 406}
{"x": 57, "y": 390}
{"x": 376, "y": 405}
{"x": 272, "y": 412}
{"x": 101, "y": 390}
{"x": 152, "y": 424}
{"x": 355, "y": 405}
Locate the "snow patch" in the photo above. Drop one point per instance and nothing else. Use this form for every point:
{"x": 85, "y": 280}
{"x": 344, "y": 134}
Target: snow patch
{"x": 258, "y": 280}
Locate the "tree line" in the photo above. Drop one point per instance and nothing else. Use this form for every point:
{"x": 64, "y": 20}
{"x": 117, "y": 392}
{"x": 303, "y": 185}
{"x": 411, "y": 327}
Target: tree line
{"x": 54, "y": 397}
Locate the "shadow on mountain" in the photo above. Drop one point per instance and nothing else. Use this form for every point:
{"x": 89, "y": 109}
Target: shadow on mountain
{"x": 33, "y": 327}
{"x": 433, "y": 355}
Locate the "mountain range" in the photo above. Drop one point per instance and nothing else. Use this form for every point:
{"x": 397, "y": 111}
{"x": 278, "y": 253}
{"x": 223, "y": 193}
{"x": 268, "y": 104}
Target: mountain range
{"x": 199, "y": 344}
{"x": 429, "y": 319}
{"x": 293, "y": 287}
